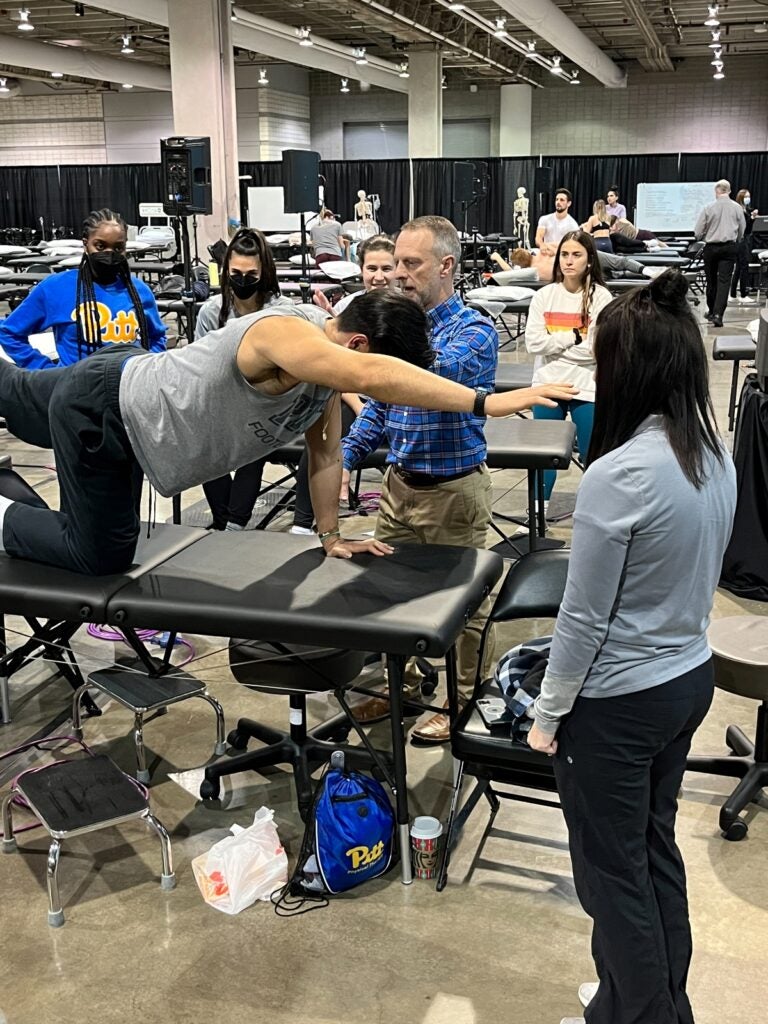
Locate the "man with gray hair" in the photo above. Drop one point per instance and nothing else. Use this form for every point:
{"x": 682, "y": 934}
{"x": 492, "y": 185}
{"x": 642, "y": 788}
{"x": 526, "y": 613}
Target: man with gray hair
{"x": 721, "y": 227}
{"x": 437, "y": 488}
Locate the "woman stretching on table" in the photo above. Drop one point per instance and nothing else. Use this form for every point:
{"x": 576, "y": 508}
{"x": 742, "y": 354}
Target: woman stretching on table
{"x": 629, "y": 678}
{"x": 559, "y": 331}
{"x": 230, "y": 398}
{"x": 100, "y": 303}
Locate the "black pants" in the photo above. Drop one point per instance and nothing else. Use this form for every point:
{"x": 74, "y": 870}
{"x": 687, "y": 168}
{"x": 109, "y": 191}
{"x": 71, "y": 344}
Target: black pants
{"x": 741, "y": 271}
{"x": 719, "y": 261}
{"x": 232, "y": 497}
{"x": 75, "y": 411}
{"x": 619, "y": 766}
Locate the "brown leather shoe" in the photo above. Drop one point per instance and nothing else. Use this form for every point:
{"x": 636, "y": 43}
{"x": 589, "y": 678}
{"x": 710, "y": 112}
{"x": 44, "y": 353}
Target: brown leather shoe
{"x": 376, "y": 709}
{"x": 435, "y": 730}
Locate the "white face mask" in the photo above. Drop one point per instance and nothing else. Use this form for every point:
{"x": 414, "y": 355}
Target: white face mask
{"x": 747, "y": 200}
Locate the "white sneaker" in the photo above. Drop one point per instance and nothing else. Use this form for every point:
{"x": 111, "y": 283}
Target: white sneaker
{"x": 747, "y": 301}
{"x": 587, "y": 992}
{"x": 301, "y": 531}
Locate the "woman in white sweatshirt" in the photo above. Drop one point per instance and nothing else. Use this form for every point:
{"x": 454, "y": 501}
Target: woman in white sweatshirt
{"x": 560, "y": 332}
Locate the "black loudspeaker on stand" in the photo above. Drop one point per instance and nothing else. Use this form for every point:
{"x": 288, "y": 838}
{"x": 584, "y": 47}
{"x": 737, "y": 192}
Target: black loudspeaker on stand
{"x": 301, "y": 192}
{"x": 542, "y": 180}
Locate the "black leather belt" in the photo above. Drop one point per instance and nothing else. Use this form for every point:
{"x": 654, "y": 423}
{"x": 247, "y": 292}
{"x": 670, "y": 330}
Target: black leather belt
{"x": 431, "y": 479}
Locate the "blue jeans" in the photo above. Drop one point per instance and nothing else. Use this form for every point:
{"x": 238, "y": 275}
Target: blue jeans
{"x": 583, "y": 416}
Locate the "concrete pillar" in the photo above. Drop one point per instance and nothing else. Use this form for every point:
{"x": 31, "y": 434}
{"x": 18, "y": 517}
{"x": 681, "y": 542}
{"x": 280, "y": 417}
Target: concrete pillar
{"x": 425, "y": 103}
{"x": 515, "y": 120}
{"x": 203, "y": 84}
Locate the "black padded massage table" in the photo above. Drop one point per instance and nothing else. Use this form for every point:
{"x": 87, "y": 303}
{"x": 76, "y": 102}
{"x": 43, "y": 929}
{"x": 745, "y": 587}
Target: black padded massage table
{"x": 414, "y": 602}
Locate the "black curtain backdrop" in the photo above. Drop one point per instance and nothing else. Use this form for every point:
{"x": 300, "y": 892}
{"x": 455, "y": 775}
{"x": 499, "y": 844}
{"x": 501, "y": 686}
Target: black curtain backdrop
{"x": 63, "y": 195}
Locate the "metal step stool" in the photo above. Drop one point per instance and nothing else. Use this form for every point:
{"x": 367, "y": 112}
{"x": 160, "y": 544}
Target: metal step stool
{"x": 142, "y": 693}
{"x": 74, "y": 797}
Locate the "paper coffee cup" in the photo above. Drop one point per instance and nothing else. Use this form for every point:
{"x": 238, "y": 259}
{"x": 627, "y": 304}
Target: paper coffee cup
{"x": 425, "y": 842}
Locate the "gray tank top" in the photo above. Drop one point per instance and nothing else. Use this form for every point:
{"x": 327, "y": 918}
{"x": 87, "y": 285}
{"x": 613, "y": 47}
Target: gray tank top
{"x": 191, "y": 416}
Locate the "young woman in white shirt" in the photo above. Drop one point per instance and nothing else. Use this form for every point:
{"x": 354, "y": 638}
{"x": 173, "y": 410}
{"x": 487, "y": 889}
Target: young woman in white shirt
{"x": 560, "y": 330}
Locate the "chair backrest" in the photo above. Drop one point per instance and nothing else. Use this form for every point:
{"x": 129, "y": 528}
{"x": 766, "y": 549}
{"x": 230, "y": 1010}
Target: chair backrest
{"x": 533, "y": 588}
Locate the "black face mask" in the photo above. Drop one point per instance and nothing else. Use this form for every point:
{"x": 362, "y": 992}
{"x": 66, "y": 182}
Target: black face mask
{"x": 244, "y": 287}
{"x": 106, "y": 266}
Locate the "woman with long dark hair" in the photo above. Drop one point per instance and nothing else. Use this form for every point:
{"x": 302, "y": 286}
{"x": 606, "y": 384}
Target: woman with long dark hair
{"x": 740, "y": 278}
{"x": 629, "y": 678}
{"x": 559, "y": 331}
{"x": 100, "y": 303}
{"x": 248, "y": 285}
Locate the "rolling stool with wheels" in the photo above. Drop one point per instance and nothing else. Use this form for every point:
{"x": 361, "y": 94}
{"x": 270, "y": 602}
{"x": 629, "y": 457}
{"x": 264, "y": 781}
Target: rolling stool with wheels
{"x": 740, "y": 653}
{"x": 70, "y": 798}
{"x": 295, "y": 671}
{"x": 142, "y": 693}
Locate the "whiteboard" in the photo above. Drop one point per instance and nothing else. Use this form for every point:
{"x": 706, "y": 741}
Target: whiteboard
{"x": 672, "y": 206}
{"x": 267, "y": 213}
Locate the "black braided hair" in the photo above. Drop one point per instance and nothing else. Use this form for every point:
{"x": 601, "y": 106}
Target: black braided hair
{"x": 248, "y": 242}
{"x": 87, "y": 316}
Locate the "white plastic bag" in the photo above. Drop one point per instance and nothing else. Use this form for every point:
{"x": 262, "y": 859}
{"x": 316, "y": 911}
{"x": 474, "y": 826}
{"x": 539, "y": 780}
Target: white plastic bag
{"x": 247, "y": 866}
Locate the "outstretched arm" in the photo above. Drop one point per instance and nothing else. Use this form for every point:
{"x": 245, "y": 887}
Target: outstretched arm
{"x": 280, "y": 348}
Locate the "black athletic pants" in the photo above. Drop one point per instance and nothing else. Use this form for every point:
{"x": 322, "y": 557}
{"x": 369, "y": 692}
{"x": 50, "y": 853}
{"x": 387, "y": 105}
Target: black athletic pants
{"x": 75, "y": 411}
{"x": 719, "y": 261}
{"x": 619, "y": 766}
{"x": 741, "y": 271}
{"x": 232, "y": 498}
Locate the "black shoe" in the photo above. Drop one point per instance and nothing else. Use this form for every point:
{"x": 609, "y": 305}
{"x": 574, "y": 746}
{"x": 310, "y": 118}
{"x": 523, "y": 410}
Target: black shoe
{"x": 708, "y": 316}
{"x": 716, "y": 321}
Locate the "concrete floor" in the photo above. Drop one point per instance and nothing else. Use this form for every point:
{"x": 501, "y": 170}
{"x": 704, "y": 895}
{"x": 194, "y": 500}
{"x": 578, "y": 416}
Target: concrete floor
{"x": 506, "y": 941}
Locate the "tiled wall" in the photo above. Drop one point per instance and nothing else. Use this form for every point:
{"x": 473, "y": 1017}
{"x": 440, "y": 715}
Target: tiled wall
{"x": 52, "y": 130}
{"x": 689, "y": 116}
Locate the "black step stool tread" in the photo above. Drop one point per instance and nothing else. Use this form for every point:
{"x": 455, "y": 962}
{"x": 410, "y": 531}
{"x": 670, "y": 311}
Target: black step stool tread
{"x": 141, "y": 692}
{"x": 81, "y": 795}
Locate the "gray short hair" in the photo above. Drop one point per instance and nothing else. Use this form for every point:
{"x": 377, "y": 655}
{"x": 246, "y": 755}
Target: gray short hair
{"x": 723, "y": 186}
{"x": 446, "y": 240}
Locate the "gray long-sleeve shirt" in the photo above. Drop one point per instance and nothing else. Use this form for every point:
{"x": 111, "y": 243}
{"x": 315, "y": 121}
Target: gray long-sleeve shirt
{"x": 645, "y": 560}
{"x": 721, "y": 221}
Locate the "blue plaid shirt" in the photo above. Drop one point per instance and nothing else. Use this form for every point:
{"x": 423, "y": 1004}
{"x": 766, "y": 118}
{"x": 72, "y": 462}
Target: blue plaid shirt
{"x": 440, "y": 443}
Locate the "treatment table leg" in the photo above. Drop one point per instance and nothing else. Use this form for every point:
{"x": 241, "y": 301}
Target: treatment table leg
{"x": 395, "y": 669}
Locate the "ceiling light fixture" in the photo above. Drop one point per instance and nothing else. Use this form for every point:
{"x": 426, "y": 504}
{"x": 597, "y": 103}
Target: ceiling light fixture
{"x": 344, "y": 85}
{"x": 532, "y": 46}
{"x": 556, "y": 69}
{"x": 127, "y": 85}
{"x": 127, "y": 48}
{"x": 575, "y": 78}
{"x": 232, "y": 15}
{"x": 79, "y": 11}
{"x": 360, "y": 57}
{"x": 444, "y": 83}
{"x": 403, "y": 73}
{"x": 456, "y": 8}
{"x": 762, "y": 29}
{"x": 501, "y": 28}
{"x": 305, "y": 38}
{"x": 57, "y": 74}
{"x": 715, "y": 40}
{"x": 712, "y": 21}
{"x": 718, "y": 76}
{"x": 3, "y": 85}
{"x": 25, "y": 25}
{"x": 263, "y": 80}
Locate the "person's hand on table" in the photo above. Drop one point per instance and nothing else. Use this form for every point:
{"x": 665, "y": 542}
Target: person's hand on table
{"x": 341, "y": 548}
{"x": 542, "y": 741}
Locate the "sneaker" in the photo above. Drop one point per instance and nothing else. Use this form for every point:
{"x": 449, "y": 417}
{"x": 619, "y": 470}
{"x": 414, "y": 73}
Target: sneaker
{"x": 708, "y": 316}
{"x": 573, "y": 1020}
{"x": 522, "y": 530}
{"x": 301, "y": 531}
{"x": 747, "y": 301}
{"x": 587, "y": 992}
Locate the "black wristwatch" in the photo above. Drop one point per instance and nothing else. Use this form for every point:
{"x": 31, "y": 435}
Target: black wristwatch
{"x": 478, "y": 409}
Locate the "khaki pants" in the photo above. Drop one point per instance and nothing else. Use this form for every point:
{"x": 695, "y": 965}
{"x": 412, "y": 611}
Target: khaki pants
{"x": 456, "y": 513}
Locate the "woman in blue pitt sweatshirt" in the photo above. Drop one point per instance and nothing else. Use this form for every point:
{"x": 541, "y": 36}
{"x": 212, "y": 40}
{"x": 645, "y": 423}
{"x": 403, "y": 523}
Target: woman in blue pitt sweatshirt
{"x": 97, "y": 304}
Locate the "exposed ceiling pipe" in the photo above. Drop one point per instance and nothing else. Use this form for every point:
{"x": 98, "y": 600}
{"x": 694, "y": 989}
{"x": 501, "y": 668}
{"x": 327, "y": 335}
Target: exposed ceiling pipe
{"x": 274, "y": 40}
{"x": 73, "y": 60}
{"x": 449, "y": 43}
{"x": 549, "y": 23}
{"x": 657, "y": 57}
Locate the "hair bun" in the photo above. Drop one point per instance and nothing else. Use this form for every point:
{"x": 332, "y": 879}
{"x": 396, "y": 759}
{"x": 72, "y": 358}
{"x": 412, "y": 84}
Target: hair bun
{"x": 670, "y": 289}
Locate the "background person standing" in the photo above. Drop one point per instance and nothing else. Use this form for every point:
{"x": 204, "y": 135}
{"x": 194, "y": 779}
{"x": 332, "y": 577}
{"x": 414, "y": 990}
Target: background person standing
{"x": 721, "y": 227}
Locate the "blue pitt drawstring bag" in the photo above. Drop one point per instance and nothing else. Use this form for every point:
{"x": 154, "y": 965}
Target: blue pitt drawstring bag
{"x": 348, "y": 840}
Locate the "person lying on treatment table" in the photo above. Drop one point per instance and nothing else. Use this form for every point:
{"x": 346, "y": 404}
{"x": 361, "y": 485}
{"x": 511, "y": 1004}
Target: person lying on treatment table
{"x": 186, "y": 415}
